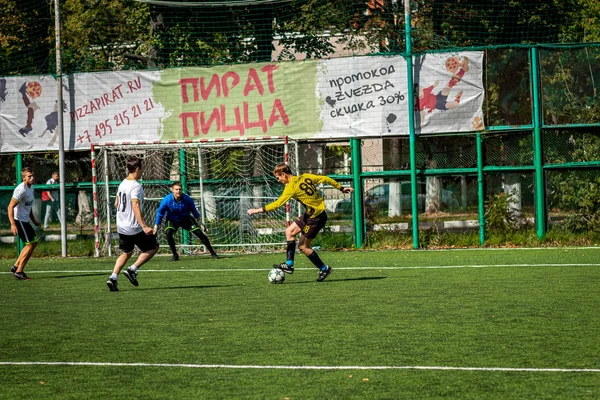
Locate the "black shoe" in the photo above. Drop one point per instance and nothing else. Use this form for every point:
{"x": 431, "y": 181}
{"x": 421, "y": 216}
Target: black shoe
{"x": 324, "y": 274}
{"x": 132, "y": 276}
{"x": 13, "y": 269}
{"x": 174, "y": 258}
{"x": 215, "y": 256}
{"x": 112, "y": 285}
{"x": 22, "y": 276}
{"x": 288, "y": 269}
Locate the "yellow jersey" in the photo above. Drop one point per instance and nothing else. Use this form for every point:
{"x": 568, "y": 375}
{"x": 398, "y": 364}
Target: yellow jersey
{"x": 303, "y": 188}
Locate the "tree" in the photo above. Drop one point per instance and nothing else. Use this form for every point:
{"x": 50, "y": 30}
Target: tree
{"x": 309, "y": 27}
{"x": 25, "y": 42}
{"x": 104, "y": 35}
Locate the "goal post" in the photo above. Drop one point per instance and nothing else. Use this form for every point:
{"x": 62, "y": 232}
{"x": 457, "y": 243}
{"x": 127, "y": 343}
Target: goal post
{"x": 224, "y": 177}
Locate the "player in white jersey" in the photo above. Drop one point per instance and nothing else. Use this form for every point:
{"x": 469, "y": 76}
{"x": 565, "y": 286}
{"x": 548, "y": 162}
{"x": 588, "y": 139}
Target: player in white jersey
{"x": 131, "y": 227}
{"x": 19, "y": 213}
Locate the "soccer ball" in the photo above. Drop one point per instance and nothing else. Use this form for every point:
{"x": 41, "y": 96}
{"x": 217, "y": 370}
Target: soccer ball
{"x": 276, "y": 276}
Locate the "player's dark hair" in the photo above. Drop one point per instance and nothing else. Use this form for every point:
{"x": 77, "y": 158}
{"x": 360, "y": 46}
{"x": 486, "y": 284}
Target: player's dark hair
{"x": 25, "y": 170}
{"x": 282, "y": 168}
{"x": 134, "y": 163}
{"x": 176, "y": 183}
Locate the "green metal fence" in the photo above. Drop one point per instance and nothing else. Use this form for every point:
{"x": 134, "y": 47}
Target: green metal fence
{"x": 536, "y": 164}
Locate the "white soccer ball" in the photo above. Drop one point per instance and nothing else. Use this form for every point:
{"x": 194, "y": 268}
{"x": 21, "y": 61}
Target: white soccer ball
{"x": 276, "y": 276}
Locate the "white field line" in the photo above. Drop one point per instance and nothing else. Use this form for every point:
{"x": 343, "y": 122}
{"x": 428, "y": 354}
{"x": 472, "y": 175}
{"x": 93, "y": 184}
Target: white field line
{"x": 312, "y": 269}
{"x": 507, "y": 249}
{"x": 300, "y": 367}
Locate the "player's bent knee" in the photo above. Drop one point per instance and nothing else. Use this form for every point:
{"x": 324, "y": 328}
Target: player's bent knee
{"x": 291, "y": 231}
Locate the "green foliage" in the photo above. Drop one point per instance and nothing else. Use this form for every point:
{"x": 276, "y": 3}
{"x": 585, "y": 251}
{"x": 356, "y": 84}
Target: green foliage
{"x": 570, "y": 90}
{"x": 380, "y": 240}
{"x": 580, "y": 192}
{"x": 109, "y": 35}
{"x": 104, "y": 35}
{"x": 559, "y": 235}
{"x": 227, "y": 166}
{"x": 499, "y": 215}
{"x": 334, "y": 241}
{"x": 446, "y": 23}
{"x": 26, "y": 38}
{"x": 82, "y": 247}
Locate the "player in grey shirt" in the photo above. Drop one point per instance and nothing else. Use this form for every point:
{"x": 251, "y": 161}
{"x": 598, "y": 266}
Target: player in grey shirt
{"x": 19, "y": 213}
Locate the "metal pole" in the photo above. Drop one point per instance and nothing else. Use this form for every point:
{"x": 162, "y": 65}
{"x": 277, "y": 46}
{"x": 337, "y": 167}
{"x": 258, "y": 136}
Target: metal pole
{"x": 61, "y": 136}
{"x": 411, "y": 127}
{"x": 108, "y": 238}
{"x": 297, "y": 169}
{"x": 480, "y": 190}
{"x": 286, "y": 159}
{"x": 359, "y": 226}
{"x": 96, "y": 205}
{"x": 538, "y": 162}
{"x": 184, "y": 188}
{"x": 201, "y": 185}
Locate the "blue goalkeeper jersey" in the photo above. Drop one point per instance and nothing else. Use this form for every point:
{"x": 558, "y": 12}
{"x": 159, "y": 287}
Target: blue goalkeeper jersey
{"x": 176, "y": 211}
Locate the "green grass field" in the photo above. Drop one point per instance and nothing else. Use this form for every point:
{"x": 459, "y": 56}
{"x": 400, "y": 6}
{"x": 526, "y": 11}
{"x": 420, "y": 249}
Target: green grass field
{"x": 460, "y": 324}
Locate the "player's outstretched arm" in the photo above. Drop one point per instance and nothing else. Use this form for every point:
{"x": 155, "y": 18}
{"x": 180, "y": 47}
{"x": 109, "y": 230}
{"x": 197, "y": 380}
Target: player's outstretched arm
{"x": 253, "y": 211}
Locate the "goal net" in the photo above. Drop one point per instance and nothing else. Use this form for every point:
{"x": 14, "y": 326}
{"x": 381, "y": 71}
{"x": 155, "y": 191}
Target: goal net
{"x": 224, "y": 178}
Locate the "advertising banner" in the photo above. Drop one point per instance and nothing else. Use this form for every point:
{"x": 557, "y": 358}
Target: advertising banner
{"x": 337, "y": 98}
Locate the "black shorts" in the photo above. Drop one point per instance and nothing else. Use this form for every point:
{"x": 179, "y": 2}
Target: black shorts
{"x": 141, "y": 240}
{"x": 26, "y": 232}
{"x": 188, "y": 223}
{"x": 311, "y": 226}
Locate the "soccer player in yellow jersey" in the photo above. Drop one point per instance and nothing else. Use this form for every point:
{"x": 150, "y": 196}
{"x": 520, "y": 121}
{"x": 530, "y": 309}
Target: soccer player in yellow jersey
{"x": 303, "y": 189}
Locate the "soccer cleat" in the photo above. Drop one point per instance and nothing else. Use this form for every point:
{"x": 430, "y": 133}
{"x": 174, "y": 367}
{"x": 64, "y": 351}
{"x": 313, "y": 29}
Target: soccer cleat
{"x": 324, "y": 274}
{"x": 132, "y": 276}
{"x": 174, "y": 258}
{"x": 112, "y": 285}
{"x": 215, "y": 256}
{"x": 288, "y": 269}
{"x": 22, "y": 276}
{"x": 13, "y": 269}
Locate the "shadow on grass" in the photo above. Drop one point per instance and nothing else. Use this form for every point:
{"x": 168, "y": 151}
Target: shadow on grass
{"x": 185, "y": 287}
{"x": 191, "y": 257}
{"x": 365, "y": 278}
{"x": 82, "y": 275}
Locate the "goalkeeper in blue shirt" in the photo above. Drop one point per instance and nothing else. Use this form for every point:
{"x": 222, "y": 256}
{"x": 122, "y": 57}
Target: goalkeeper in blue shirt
{"x": 176, "y": 208}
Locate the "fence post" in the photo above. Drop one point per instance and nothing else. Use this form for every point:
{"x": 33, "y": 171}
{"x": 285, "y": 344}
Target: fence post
{"x": 359, "y": 226}
{"x": 480, "y": 190}
{"x": 411, "y": 128}
{"x": 538, "y": 162}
